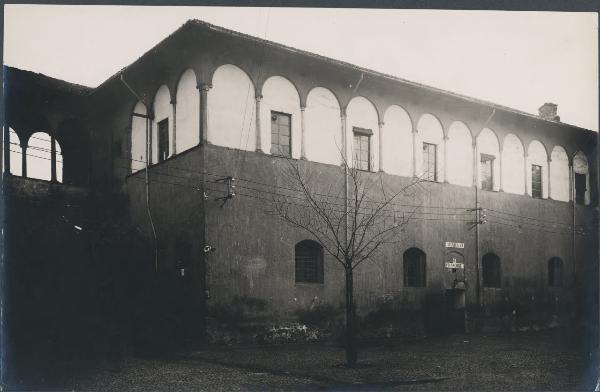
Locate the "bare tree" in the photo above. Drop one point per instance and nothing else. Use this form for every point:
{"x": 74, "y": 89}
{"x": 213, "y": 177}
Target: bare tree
{"x": 351, "y": 216}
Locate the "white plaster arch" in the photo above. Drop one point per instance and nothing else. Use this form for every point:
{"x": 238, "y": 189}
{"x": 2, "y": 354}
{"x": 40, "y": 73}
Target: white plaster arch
{"x": 39, "y": 157}
{"x": 15, "y": 153}
{"x": 138, "y": 138}
{"x": 232, "y": 109}
{"x": 488, "y": 144}
{"x": 536, "y": 155}
{"x": 361, "y": 113}
{"x": 460, "y": 154}
{"x": 280, "y": 95}
{"x": 559, "y": 174}
{"x": 187, "y": 131}
{"x": 581, "y": 166}
{"x": 430, "y": 130}
{"x": 397, "y": 146}
{"x": 162, "y": 110}
{"x": 323, "y": 127}
{"x": 513, "y": 161}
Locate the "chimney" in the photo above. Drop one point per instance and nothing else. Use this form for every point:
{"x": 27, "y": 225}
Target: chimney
{"x": 548, "y": 111}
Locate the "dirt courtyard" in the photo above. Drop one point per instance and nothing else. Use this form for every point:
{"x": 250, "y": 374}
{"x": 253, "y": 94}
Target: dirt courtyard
{"x": 522, "y": 361}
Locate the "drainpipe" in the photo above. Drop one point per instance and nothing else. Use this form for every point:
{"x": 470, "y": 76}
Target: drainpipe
{"x": 148, "y": 151}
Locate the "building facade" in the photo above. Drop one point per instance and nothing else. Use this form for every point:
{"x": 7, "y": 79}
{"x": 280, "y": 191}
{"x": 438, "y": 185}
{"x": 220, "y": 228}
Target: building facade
{"x": 509, "y": 196}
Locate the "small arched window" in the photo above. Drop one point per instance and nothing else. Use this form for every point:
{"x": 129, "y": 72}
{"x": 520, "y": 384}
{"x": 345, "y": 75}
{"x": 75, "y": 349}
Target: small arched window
{"x": 309, "y": 262}
{"x": 414, "y": 268}
{"x": 490, "y": 265}
{"x": 555, "y": 267}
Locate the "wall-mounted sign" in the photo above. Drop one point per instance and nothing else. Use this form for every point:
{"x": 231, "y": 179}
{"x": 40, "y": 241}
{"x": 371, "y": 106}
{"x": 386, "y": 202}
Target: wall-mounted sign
{"x": 457, "y": 245}
{"x": 454, "y": 265}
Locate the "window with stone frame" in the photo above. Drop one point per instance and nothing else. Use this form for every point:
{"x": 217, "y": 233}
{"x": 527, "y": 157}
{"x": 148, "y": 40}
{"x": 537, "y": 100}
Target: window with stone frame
{"x": 362, "y": 148}
{"x": 281, "y": 134}
{"x": 429, "y": 162}
{"x": 163, "y": 140}
{"x": 536, "y": 181}
{"x": 486, "y": 171}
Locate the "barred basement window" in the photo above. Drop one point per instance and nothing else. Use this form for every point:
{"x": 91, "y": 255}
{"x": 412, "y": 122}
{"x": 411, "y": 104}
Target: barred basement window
{"x": 555, "y": 267}
{"x": 281, "y": 134}
{"x": 362, "y": 148}
{"x": 309, "y": 262}
{"x": 429, "y": 162}
{"x": 536, "y": 181}
{"x": 414, "y": 268}
{"x": 490, "y": 265}
{"x": 487, "y": 172}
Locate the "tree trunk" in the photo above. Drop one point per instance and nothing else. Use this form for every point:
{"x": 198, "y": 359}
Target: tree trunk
{"x": 351, "y": 354}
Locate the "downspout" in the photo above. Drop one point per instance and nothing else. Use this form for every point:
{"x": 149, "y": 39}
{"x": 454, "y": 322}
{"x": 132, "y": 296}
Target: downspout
{"x": 147, "y": 177}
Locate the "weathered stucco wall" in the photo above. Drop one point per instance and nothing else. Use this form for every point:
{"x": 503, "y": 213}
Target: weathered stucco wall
{"x": 255, "y": 248}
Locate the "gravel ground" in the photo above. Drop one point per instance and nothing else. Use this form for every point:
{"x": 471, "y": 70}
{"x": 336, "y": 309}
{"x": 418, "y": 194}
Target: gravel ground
{"x": 512, "y": 362}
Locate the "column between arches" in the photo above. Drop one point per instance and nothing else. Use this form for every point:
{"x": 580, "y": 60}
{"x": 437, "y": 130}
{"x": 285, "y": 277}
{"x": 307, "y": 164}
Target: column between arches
{"x": 258, "y": 98}
{"x": 549, "y": 178}
{"x": 302, "y": 133}
{"x": 381, "y": 125}
{"x": 203, "y": 88}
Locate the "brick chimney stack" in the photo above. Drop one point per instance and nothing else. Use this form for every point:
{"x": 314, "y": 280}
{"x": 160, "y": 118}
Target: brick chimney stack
{"x": 548, "y": 111}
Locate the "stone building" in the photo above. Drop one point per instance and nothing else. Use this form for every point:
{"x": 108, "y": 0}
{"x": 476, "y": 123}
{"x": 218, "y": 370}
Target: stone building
{"x": 217, "y": 104}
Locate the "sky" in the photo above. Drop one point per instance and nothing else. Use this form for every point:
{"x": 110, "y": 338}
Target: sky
{"x": 516, "y": 59}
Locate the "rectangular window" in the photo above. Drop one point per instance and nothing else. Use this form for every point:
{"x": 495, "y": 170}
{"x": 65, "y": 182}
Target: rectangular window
{"x": 281, "y": 132}
{"x": 362, "y": 148}
{"x": 163, "y": 140}
{"x": 487, "y": 172}
{"x": 580, "y": 185}
{"x": 536, "y": 181}
{"x": 429, "y": 162}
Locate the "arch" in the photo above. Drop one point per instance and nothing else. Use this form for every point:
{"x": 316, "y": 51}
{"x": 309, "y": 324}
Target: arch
{"x": 491, "y": 270}
{"x": 16, "y": 160}
{"x": 232, "y": 109}
{"x": 513, "y": 161}
{"x": 138, "y": 138}
{"x": 280, "y": 96}
{"x": 39, "y": 157}
{"x": 162, "y": 126}
{"x": 430, "y": 134}
{"x": 555, "y": 272}
{"x": 187, "y": 112}
{"x": 459, "y": 148}
{"x": 361, "y": 115}
{"x": 74, "y": 139}
{"x": 536, "y": 155}
{"x": 488, "y": 148}
{"x": 415, "y": 268}
{"x": 397, "y": 146}
{"x": 559, "y": 174}
{"x": 323, "y": 127}
{"x": 581, "y": 180}
{"x": 308, "y": 256}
